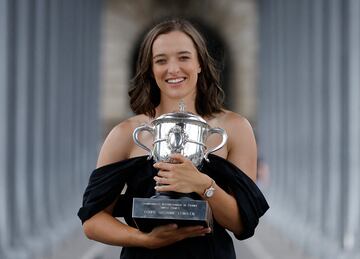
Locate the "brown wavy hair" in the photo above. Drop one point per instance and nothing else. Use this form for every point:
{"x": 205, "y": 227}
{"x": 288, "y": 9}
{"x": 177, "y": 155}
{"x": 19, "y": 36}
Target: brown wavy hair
{"x": 144, "y": 92}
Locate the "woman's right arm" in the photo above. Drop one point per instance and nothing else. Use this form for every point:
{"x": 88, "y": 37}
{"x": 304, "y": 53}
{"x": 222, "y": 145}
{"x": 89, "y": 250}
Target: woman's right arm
{"x": 103, "y": 227}
{"x": 106, "y": 229}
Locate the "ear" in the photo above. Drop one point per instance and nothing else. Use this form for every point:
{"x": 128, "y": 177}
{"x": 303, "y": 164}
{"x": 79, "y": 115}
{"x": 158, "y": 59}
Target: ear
{"x": 199, "y": 69}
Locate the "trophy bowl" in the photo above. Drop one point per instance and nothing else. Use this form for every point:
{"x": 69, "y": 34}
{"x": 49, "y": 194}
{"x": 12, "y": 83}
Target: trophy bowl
{"x": 179, "y": 132}
{"x": 186, "y": 134}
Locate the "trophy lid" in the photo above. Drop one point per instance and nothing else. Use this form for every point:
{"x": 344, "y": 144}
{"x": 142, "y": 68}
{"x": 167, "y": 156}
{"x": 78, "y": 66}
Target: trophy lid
{"x": 181, "y": 116}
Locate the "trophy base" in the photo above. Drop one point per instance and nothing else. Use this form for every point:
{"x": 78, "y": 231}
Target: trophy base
{"x": 151, "y": 212}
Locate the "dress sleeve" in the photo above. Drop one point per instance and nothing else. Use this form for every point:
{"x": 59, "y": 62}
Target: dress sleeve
{"x": 105, "y": 185}
{"x": 251, "y": 202}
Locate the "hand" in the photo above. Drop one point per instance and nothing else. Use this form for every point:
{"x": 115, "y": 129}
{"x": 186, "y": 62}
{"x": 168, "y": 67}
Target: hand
{"x": 181, "y": 176}
{"x": 168, "y": 234}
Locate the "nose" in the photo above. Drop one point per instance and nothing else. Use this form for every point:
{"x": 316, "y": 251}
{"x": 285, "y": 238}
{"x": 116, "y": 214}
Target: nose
{"x": 173, "y": 67}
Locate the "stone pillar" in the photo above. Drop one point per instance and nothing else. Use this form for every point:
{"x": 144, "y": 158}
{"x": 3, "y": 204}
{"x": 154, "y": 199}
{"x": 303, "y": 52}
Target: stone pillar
{"x": 37, "y": 93}
{"x": 351, "y": 134}
{"x": 53, "y": 120}
{"x": 21, "y": 212}
{"x": 4, "y": 127}
{"x": 332, "y": 118}
{"x": 315, "y": 100}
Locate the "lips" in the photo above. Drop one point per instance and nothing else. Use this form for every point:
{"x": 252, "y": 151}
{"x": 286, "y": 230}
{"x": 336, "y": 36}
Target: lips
{"x": 175, "y": 80}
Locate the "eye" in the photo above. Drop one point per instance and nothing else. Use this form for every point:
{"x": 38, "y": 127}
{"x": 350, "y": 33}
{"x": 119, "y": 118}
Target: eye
{"x": 184, "y": 58}
{"x": 160, "y": 61}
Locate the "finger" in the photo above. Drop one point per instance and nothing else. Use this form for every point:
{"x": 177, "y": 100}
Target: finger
{"x": 164, "y": 166}
{"x": 169, "y": 227}
{"x": 164, "y": 188}
{"x": 162, "y": 180}
{"x": 192, "y": 228}
{"x": 165, "y": 174}
{"x": 201, "y": 232}
{"x": 178, "y": 157}
{"x": 194, "y": 231}
{"x": 165, "y": 228}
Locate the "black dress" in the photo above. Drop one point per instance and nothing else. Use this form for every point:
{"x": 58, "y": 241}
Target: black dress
{"x": 137, "y": 173}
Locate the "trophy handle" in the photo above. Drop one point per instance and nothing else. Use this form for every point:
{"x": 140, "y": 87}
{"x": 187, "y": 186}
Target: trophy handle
{"x": 136, "y": 139}
{"x": 224, "y": 136}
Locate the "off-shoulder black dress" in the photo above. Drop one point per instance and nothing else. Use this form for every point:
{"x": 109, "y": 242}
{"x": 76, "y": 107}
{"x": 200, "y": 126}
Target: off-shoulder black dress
{"x": 137, "y": 173}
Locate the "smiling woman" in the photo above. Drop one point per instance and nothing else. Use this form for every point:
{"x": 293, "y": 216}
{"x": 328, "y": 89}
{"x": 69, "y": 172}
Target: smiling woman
{"x": 175, "y": 67}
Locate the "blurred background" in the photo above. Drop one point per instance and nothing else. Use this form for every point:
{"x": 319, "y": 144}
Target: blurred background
{"x": 292, "y": 67}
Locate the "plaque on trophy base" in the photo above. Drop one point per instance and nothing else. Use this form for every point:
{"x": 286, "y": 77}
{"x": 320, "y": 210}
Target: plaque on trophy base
{"x": 151, "y": 212}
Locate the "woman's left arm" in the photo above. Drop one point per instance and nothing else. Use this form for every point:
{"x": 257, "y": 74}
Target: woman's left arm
{"x": 242, "y": 152}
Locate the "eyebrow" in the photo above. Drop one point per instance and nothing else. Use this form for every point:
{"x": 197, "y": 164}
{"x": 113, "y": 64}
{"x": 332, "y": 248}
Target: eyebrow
{"x": 178, "y": 53}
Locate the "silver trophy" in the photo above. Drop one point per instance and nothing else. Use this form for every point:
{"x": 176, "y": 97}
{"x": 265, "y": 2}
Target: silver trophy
{"x": 179, "y": 132}
{"x": 186, "y": 134}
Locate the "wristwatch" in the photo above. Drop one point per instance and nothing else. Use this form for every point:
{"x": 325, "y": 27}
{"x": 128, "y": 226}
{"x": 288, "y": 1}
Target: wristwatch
{"x": 209, "y": 192}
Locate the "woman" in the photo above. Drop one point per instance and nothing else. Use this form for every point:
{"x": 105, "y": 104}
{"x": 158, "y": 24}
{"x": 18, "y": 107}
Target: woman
{"x": 174, "y": 65}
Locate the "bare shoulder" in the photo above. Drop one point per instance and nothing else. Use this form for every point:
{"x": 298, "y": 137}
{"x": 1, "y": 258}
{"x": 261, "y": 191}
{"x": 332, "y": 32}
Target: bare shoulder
{"x": 242, "y": 149}
{"x": 128, "y": 125}
{"x": 118, "y": 142}
{"x": 233, "y": 121}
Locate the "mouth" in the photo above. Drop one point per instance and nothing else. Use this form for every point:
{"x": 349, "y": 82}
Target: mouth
{"x": 175, "y": 80}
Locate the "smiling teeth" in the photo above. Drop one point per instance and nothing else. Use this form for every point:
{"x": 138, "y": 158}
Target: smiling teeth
{"x": 174, "y": 81}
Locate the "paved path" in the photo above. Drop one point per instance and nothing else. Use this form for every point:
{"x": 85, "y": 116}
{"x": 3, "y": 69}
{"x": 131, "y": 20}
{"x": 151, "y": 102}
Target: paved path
{"x": 267, "y": 243}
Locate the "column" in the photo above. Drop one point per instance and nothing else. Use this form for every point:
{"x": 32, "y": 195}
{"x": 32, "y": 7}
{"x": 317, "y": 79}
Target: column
{"x": 303, "y": 130}
{"x": 4, "y": 127}
{"x": 315, "y": 101}
{"x": 21, "y": 212}
{"x": 352, "y": 131}
{"x": 39, "y": 146}
{"x": 53, "y": 104}
{"x": 332, "y": 122}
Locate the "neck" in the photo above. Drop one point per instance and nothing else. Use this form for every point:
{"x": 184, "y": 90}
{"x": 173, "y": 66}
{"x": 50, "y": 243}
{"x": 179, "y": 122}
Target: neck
{"x": 173, "y": 105}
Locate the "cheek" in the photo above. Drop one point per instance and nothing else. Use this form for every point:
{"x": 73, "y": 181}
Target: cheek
{"x": 195, "y": 72}
{"x": 157, "y": 76}
{"x": 157, "y": 72}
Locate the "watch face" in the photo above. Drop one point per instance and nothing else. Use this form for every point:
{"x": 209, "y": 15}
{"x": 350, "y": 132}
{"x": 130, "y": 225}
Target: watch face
{"x": 210, "y": 192}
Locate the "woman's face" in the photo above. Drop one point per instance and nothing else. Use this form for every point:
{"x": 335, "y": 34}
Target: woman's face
{"x": 175, "y": 65}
